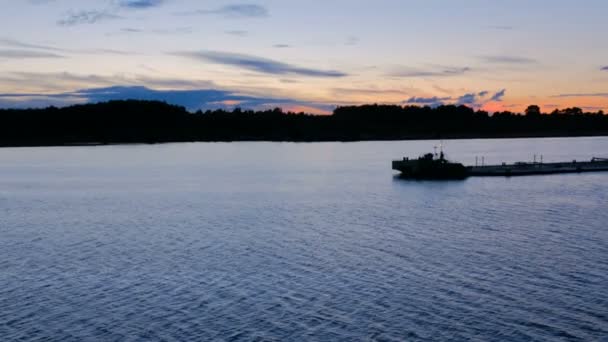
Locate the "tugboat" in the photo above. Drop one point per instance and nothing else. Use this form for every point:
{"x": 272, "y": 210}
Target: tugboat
{"x": 430, "y": 166}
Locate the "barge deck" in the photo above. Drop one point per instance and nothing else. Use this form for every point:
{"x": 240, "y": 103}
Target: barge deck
{"x": 526, "y": 169}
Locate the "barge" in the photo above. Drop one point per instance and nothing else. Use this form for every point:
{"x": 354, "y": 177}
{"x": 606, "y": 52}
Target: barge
{"x": 534, "y": 168}
{"x": 433, "y": 166}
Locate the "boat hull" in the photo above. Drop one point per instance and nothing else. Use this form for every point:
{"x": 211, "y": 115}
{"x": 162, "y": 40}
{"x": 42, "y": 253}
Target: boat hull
{"x": 417, "y": 169}
{"x": 529, "y": 169}
{"x": 433, "y": 169}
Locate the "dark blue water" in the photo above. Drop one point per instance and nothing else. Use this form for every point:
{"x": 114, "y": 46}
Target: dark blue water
{"x": 295, "y": 242}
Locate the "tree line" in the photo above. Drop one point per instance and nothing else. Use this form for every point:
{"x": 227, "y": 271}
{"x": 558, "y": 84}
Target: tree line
{"x": 133, "y": 121}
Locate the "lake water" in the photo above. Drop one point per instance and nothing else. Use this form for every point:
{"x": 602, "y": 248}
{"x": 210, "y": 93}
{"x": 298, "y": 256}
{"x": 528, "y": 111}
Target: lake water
{"x": 294, "y": 242}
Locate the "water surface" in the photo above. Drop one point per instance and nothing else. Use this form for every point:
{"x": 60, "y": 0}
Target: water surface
{"x": 282, "y": 241}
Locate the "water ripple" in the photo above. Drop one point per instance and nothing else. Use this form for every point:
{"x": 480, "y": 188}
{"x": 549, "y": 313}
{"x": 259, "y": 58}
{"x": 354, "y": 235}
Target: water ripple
{"x": 251, "y": 249}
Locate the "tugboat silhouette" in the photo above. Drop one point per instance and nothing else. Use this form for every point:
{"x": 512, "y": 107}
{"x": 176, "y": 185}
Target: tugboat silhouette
{"x": 430, "y": 166}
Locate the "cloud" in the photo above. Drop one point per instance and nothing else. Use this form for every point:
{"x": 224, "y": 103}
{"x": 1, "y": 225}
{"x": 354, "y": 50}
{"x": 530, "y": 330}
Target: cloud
{"x": 500, "y": 59}
{"x": 191, "y": 99}
{"x": 20, "y": 44}
{"x": 107, "y": 52}
{"x": 86, "y": 17}
{"x": 259, "y": 64}
{"x": 366, "y": 91}
{"x": 19, "y": 54}
{"x": 281, "y": 46}
{"x": 467, "y": 99}
{"x": 499, "y": 95}
{"x": 352, "y": 40}
{"x": 238, "y": 33}
{"x": 34, "y": 101}
{"x": 480, "y": 99}
{"x": 131, "y": 30}
{"x": 440, "y": 71}
{"x": 66, "y": 80}
{"x": 604, "y": 68}
{"x": 164, "y": 31}
{"x": 443, "y": 90}
{"x": 235, "y": 11}
{"x": 474, "y": 100}
{"x": 140, "y": 4}
{"x": 592, "y": 108}
{"x": 73, "y": 18}
{"x": 24, "y": 45}
{"x": 582, "y": 95}
{"x": 428, "y": 101}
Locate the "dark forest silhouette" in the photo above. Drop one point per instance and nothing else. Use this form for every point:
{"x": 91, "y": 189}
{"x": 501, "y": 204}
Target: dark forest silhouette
{"x": 134, "y": 121}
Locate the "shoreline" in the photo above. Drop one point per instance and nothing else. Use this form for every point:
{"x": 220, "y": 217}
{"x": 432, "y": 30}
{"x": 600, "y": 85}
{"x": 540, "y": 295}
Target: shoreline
{"x": 409, "y": 138}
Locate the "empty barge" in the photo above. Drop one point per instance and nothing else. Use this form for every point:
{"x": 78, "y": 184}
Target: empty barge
{"x": 433, "y": 166}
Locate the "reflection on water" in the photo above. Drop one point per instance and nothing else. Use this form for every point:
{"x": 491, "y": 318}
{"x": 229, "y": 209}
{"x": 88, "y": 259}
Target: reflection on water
{"x": 276, "y": 241}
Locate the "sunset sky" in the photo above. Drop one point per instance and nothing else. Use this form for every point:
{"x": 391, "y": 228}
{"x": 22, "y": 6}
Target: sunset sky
{"x": 306, "y": 55}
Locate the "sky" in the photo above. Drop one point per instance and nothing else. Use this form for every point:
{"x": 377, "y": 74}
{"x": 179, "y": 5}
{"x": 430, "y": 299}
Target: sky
{"x": 306, "y": 55}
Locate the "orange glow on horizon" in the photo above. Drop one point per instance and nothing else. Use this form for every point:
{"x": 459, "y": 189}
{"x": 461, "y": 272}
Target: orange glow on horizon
{"x": 305, "y": 109}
